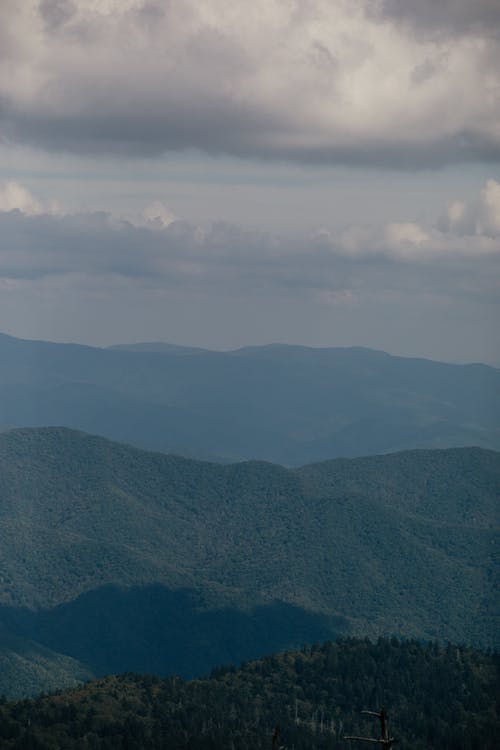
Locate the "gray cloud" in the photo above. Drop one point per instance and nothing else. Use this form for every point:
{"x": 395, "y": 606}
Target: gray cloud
{"x": 56, "y": 13}
{"x": 321, "y": 82}
{"x": 445, "y": 16}
{"x": 404, "y": 287}
{"x": 461, "y": 252}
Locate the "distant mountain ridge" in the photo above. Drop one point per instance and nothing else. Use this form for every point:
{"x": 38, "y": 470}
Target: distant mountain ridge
{"x": 103, "y": 545}
{"x": 161, "y": 347}
{"x": 284, "y": 404}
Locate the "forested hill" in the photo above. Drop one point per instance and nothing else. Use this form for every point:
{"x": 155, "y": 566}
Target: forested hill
{"x": 437, "y": 699}
{"x": 287, "y": 404}
{"x": 120, "y": 559}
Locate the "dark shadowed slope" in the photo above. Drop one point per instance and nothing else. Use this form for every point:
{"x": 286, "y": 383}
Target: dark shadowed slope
{"x": 286, "y": 404}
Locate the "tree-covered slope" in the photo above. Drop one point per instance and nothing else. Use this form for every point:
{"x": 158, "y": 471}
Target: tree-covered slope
{"x": 437, "y": 699}
{"x": 103, "y": 545}
{"x": 28, "y": 668}
{"x": 286, "y": 404}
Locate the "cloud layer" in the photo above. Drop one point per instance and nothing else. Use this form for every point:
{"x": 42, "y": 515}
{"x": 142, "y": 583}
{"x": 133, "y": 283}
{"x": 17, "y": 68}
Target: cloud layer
{"x": 339, "y": 81}
{"x": 406, "y": 287}
{"x": 158, "y": 250}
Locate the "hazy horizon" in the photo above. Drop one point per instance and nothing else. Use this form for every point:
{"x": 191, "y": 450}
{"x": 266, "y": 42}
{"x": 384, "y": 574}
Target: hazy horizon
{"x": 254, "y": 345}
{"x": 220, "y": 175}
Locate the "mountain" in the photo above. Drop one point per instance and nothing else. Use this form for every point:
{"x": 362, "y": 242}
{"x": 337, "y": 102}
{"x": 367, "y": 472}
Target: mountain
{"x": 436, "y": 698}
{"x": 158, "y": 346}
{"x": 285, "y": 404}
{"x": 124, "y": 559}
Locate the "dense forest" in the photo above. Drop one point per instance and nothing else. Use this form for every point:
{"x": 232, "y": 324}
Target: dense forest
{"x": 115, "y": 559}
{"x": 437, "y": 698}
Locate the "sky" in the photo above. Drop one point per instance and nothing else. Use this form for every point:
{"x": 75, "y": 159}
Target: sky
{"x": 221, "y": 173}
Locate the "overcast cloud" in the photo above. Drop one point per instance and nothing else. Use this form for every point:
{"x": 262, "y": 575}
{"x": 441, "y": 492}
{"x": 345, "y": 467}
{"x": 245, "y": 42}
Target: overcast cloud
{"x": 37, "y": 241}
{"x": 402, "y": 84}
{"x": 442, "y": 268}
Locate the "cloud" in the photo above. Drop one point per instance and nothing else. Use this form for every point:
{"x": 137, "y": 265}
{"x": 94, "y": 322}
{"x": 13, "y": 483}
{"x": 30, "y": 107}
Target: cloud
{"x": 158, "y": 214}
{"x": 15, "y": 196}
{"x": 458, "y": 257}
{"x": 463, "y": 233}
{"x": 449, "y": 17}
{"x": 320, "y": 81}
{"x": 429, "y": 289}
{"x": 479, "y": 218}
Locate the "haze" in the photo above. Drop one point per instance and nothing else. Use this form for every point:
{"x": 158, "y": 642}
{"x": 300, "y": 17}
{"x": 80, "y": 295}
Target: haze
{"x": 222, "y": 174}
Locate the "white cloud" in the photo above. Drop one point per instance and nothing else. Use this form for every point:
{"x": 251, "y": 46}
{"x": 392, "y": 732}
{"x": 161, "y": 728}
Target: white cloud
{"x": 466, "y": 231}
{"x": 480, "y": 218}
{"x": 158, "y": 214}
{"x": 489, "y": 221}
{"x": 407, "y": 234}
{"x": 15, "y": 196}
{"x": 322, "y": 80}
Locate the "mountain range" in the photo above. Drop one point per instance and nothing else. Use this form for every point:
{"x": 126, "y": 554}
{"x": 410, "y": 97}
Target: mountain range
{"x": 285, "y": 404}
{"x": 113, "y": 558}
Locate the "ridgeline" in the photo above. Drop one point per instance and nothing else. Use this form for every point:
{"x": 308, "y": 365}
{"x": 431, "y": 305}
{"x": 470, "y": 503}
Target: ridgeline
{"x": 437, "y": 699}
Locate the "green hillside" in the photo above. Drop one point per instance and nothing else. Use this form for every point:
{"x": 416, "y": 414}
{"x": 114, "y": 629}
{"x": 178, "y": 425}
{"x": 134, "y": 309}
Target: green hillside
{"x": 437, "y": 699}
{"x": 28, "y": 668}
{"x": 104, "y": 546}
{"x": 286, "y": 404}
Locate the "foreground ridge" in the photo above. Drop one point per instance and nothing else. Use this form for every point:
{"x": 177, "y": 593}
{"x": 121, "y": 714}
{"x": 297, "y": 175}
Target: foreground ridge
{"x": 440, "y": 698}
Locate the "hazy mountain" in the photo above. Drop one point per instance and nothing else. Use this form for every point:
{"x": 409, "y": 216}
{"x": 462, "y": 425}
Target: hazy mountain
{"x": 437, "y": 699}
{"x": 285, "y": 404}
{"x": 124, "y": 559}
{"x": 158, "y": 346}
